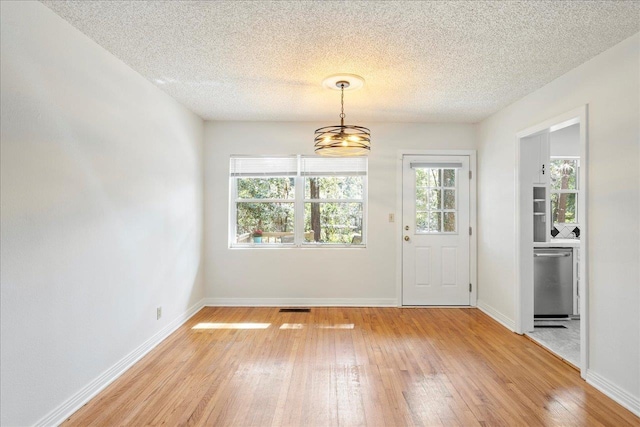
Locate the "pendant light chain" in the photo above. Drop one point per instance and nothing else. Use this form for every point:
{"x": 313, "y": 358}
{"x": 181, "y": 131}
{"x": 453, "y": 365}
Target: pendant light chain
{"x": 342, "y": 104}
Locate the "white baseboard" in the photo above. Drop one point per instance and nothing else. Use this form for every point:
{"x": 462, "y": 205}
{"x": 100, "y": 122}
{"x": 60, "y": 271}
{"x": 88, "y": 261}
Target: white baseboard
{"x": 301, "y": 302}
{"x": 496, "y": 315}
{"x": 75, "y": 402}
{"x": 621, "y": 396}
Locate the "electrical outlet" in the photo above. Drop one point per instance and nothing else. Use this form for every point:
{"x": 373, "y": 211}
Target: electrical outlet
{"x": 392, "y": 218}
{"x": 158, "y": 313}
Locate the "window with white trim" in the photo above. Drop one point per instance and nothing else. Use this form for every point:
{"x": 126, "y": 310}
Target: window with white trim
{"x": 298, "y": 201}
{"x": 564, "y": 173}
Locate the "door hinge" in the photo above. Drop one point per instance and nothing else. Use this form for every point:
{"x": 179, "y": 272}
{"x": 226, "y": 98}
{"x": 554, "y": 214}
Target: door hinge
{"x": 469, "y": 287}
{"x": 469, "y": 174}
{"x": 470, "y": 231}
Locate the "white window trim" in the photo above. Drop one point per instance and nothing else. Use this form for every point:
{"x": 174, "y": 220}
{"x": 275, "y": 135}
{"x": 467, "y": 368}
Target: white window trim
{"x": 299, "y": 200}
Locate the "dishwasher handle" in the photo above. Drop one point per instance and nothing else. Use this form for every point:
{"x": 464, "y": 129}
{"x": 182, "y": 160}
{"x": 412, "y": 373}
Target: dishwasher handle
{"x": 552, "y": 255}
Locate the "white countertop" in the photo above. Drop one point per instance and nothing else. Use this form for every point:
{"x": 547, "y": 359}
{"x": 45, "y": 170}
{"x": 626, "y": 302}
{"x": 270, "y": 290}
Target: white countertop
{"x": 558, "y": 243}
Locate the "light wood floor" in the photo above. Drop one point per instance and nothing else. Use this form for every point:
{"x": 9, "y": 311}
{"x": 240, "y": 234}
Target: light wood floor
{"x": 349, "y": 366}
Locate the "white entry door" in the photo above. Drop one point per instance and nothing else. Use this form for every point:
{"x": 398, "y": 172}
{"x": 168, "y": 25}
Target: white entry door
{"x": 435, "y": 253}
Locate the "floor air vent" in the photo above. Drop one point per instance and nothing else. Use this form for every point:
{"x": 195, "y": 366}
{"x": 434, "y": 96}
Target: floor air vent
{"x": 295, "y": 310}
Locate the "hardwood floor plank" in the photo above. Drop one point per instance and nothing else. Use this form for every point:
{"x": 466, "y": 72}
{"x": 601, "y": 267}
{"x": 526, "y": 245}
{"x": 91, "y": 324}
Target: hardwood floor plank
{"x": 349, "y": 367}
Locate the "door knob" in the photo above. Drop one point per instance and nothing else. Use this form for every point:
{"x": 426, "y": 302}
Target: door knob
{"x": 406, "y": 238}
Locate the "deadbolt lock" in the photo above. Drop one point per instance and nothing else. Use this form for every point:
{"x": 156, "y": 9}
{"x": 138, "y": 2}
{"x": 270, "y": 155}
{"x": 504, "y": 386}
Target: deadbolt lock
{"x": 406, "y": 227}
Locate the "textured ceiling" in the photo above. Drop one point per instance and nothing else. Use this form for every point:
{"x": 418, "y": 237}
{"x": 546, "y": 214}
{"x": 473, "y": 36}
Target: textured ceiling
{"x": 422, "y": 61}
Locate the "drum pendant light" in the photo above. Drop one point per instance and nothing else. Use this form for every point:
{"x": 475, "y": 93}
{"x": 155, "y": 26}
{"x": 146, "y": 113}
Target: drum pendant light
{"x": 343, "y": 140}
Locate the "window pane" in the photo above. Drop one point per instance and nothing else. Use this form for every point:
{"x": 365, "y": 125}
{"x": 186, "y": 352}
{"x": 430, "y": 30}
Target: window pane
{"x": 449, "y": 222}
{"x": 564, "y": 174}
{"x": 449, "y": 199}
{"x": 434, "y": 199}
{"x": 334, "y": 187}
{"x": 428, "y": 222}
{"x": 421, "y": 222}
{"x": 433, "y": 221}
{"x": 275, "y": 220}
{"x": 449, "y": 178}
{"x": 563, "y": 208}
{"x": 428, "y": 177}
{"x": 421, "y": 177}
{"x": 421, "y": 199}
{"x": 266, "y": 188}
{"x": 333, "y": 222}
{"x": 433, "y": 177}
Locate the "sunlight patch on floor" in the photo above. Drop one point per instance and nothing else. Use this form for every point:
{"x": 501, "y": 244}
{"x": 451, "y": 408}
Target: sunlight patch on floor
{"x": 338, "y": 326}
{"x": 302, "y": 325}
{"x": 232, "y": 326}
{"x": 292, "y": 326}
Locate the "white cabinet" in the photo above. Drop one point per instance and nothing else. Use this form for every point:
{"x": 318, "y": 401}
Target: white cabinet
{"x": 535, "y": 158}
{"x": 534, "y": 179}
{"x": 542, "y": 162}
{"x": 541, "y": 230}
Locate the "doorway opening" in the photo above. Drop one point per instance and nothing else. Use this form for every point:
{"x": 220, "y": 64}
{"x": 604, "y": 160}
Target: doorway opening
{"x": 552, "y": 235}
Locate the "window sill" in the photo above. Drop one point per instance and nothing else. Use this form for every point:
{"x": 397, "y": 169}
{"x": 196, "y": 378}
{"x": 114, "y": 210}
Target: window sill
{"x": 293, "y": 246}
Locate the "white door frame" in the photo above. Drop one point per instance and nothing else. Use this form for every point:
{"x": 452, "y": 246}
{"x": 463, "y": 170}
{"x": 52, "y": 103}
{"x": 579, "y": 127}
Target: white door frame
{"x": 524, "y": 283}
{"x": 473, "y": 241}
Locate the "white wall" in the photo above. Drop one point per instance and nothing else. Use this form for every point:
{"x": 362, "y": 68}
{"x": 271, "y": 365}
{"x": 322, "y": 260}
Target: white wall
{"x": 101, "y": 211}
{"x": 565, "y": 141}
{"x": 338, "y": 275}
{"x": 609, "y": 84}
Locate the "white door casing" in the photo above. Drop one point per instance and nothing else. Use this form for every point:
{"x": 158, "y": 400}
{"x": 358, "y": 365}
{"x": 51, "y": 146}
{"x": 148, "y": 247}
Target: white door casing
{"x": 523, "y": 250}
{"x": 436, "y": 242}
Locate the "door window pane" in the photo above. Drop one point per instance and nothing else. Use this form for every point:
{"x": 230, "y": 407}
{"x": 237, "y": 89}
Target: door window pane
{"x": 434, "y": 222}
{"x": 449, "y": 222}
{"x": 449, "y": 178}
{"x": 433, "y": 177}
{"x": 421, "y": 178}
{"x": 434, "y": 199}
{"x": 449, "y": 199}
{"x": 421, "y": 221}
{"x": 428, "y": 177}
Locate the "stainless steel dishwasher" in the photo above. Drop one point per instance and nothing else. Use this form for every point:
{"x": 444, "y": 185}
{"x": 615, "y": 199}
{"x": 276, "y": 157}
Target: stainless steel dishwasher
{"x": 553, "y": 281}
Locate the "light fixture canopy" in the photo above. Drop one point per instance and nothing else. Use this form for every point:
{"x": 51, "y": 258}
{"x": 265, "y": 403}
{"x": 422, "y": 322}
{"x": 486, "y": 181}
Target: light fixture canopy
{"x": 343, "y": 140}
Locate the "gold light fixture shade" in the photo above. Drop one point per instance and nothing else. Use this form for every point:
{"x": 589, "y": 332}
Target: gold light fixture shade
{"x": 343, "y": 140}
